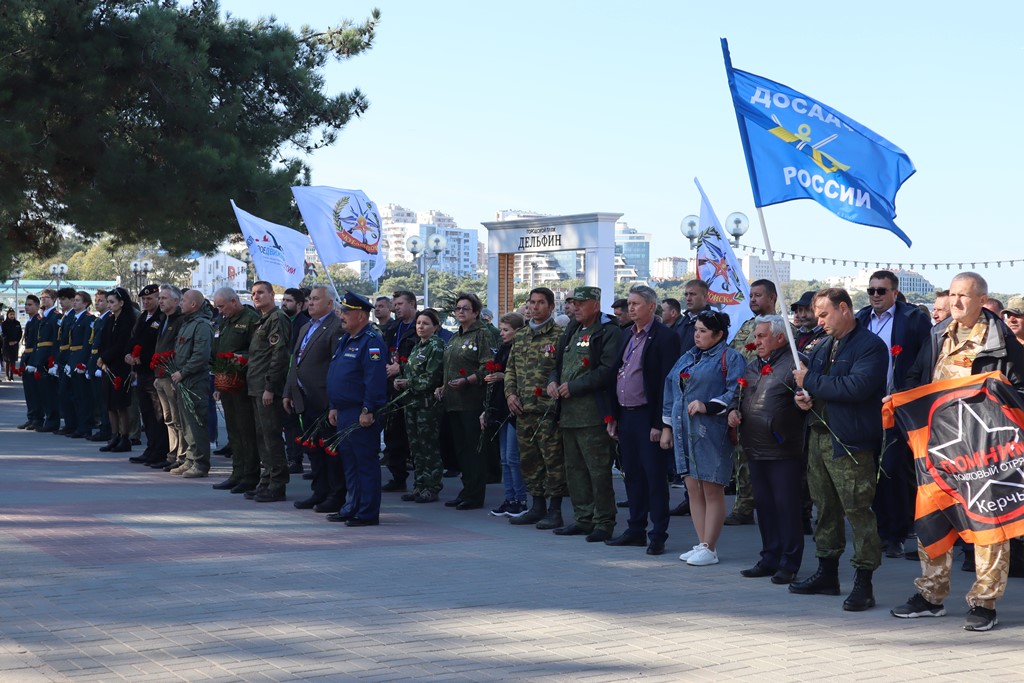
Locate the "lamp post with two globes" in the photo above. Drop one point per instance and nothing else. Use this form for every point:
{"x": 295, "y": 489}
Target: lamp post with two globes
{"x": 435, "y": 244}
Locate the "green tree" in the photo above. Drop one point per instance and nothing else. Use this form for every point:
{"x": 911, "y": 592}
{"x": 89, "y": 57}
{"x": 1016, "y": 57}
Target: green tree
{"x": 142, "y": 118}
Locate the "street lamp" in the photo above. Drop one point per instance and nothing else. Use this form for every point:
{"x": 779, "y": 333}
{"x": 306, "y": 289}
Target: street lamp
{"x": 16, "y": 276}
{"x": 141, "y": 269}
{"x": 414, "y": 245}
{"x": 737, "y": 224}
{"x": 58, "y": 271}
{"x": 689, "y": 229}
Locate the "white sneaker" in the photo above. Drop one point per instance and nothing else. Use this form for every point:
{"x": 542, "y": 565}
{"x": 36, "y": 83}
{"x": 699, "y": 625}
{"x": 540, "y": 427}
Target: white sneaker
{"x": 703, "y": 556}
{"x": 690, "y": 553}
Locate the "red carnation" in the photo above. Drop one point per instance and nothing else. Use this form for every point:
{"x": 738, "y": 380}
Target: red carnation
{"x": 49, "y": 362}
{"x": 608, "y": 419}
{"x": 497, "y": 367}
{"x": 117, "y": 383}
{"x": 767, "y": 369}
{"x": 298, "y": 440}
{"x": 537, "y": 391}
{"x": 136, "y": 351}
{"x": 684, "y": 375}
{"x": 896, "y": 350}
{"x": 403, "y": 359}
{"x": 751, "y": 346}
{"x": 490, "y": 366}
{"x": 331, "y": 451}
{"x": 243, "y": 361}
{"x": 36, "y": 375}
{"x": 586, "y": 362}
{"x": 80, "y": 366}
{"x": 462, "y": 371}
{"x": 742, "y": 381}
{"x": 320, "y": 443}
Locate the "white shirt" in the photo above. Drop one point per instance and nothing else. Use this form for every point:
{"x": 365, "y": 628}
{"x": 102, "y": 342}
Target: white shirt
{"x": 881, "y": 326}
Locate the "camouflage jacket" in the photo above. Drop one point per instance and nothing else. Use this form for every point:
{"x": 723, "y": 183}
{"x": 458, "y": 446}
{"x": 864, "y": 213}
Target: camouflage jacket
{"x": 530, "y": 364}
{"x": 467, "y": 354}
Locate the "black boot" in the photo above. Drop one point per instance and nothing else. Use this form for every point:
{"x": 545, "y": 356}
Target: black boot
{"x": 553, "y": 520}
{"x": 114, "y": 440}
{"x": 862, "y": 596}
{"x": 825, "y": 581}
{"x": 123, "y": 446}
{"x": 534, "y": 514}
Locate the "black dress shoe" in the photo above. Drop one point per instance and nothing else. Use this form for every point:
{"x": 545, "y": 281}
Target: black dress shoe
{"x": 307, "y": 504}
{"x": 98, "y": 437}
{"x": 783, "y": 577}
{"x": 110, "y": 444}
{"x": 123, "y": 446}
{"x": 44, "y": 429}
{"x": 225, "y": 485}
{"x": 159, "y": 464}
{"x": 681, "y": 510}
{"x": 627, "y": 539}
{"x": 241, "y": 488}
{"x": 598, "y": 536}
{"x": 452, "y": 503}
{"x": 622, "y": 504}
{"x": 327, "y": 505}
{"x": 268, "y": 496}
{"x": 32, "y": 428}
{"x": 226, "y": 450}
{"x": 139, "y": 459}
{"x": 307, "y": 475}
{"x": 461, "y": 506}
{"x": 77, "y": 435}
{"x": 136, "y": 442}
{"x": 338, "y": 517}
{"x": 757, "y": 571}
{"x": 570, "y": 530}
{"x": 249, "y": 495}
{"x": 295, "y": 468}
{"x": 24, "y": 425}
{"x": 364, "y": 522}
{"x": 656, "y": 548}
{"x": 393, "y": 486}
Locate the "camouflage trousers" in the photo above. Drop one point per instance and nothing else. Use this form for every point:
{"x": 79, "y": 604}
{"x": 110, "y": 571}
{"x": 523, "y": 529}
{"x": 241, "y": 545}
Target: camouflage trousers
{"x": 589, "y": 452}
{"x": 992, "y": 567}
{"x": 744, "y": 504}
{"x": 540, "y": 455}
{"x": 423, "y": 426}
{"x": 843, "y": 488}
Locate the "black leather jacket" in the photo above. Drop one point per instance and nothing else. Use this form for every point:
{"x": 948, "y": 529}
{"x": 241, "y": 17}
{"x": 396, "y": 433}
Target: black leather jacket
{"x": 773, "y": 425}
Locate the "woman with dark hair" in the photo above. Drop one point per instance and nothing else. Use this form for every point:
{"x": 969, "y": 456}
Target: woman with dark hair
{"x": 699, "y": 390}
{"x": 11, "y": 330}
{"x": 115, "y": 344}
{"x": 422, "y": 374}
{"x": 465, "y": 365}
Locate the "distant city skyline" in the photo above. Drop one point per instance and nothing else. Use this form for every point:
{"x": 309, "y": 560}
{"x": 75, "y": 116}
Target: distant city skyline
{"x": 559, "y": 108}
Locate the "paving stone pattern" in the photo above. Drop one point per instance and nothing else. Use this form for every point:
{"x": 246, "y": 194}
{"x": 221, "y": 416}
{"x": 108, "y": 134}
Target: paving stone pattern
{"x": 111, "y": 571}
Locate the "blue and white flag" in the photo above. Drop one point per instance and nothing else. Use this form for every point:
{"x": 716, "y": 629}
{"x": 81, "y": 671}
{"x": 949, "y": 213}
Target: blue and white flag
{"x": 344, "y": 225}
{"x": 279, "y": 253}
{"x": 799, "y": 148}
{"x": 728, "y": 290}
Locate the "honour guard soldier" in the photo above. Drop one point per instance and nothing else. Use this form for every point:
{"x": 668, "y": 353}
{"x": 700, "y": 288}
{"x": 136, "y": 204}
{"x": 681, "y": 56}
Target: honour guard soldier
{"x": 356, "y": 392}
{"x": 43, "y": 360}
{"x": 97, "y": 391}
{"x": 65, "y": 401}
{"x": 29, "y": 382}
{"x": 144, "y": 336}
{"x": 79, "y": 323}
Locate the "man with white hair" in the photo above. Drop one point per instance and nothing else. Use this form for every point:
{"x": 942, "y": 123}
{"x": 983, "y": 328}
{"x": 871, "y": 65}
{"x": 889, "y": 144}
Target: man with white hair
{"x": 192, "y": 358}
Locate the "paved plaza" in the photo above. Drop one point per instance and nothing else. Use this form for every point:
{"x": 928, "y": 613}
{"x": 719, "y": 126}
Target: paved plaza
{"x": 111, "y": 571}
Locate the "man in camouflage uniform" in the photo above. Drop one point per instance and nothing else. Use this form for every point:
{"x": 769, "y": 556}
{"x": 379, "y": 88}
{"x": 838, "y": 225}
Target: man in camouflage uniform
{"x": 763, "y": 298}
{"x": 580, "y": 381}
{"x": 233, "y": 335}
{"x": 530, "y": 364}
{"x": 269, "y": 353}
{"x": 191, "y": 379}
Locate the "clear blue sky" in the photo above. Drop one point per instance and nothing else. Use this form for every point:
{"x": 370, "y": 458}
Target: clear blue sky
{"x": 572, "y": 107}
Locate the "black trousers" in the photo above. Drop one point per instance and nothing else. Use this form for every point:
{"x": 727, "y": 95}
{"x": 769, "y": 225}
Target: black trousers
{"x": 647, "y": 468}
{"x": 896, "y": 491}
{"x": 778, "y": 501}
{"x": 157, "y": 440}
{"x": 81, "y": 390}
{"x": 396, "y": 446}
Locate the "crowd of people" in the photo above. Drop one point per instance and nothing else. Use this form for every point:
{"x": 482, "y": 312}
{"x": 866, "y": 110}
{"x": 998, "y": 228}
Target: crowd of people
{"x": 789, "y": 410}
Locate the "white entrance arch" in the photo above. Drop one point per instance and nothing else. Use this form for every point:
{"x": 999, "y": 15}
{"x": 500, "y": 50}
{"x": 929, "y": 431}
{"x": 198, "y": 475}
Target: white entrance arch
{"x": 594, "y": 233}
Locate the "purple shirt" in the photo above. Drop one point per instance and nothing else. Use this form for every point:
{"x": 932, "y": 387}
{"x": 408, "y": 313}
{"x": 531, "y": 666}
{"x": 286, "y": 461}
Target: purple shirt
{"x": 629, "y": 385}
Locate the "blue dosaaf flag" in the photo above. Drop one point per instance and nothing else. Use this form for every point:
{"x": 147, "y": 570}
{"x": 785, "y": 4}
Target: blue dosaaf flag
{"x": 800, "y": 148}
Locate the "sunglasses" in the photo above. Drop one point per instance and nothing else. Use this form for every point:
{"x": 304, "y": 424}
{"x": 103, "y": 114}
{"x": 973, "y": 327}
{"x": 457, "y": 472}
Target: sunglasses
{"x": 878, "y": 291}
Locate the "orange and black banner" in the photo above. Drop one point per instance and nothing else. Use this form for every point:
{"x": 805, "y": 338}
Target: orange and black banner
{"x": 967, "y": 437}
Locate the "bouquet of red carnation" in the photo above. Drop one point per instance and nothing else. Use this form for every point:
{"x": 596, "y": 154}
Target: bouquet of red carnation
{"x": 229, "y": 372}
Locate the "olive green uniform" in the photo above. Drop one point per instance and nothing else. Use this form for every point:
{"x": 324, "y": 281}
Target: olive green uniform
{"x": 466, "y": 356}
{"x": 269, "y": 355}
{"x": 530, "y": 363}
{"x": 588, "y": 450}
{"x": 192, "y": 358}
{"x": 233, "y": 335}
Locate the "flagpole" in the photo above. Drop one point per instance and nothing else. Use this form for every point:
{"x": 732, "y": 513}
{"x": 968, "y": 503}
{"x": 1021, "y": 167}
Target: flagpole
{"x": 778, "y": 287}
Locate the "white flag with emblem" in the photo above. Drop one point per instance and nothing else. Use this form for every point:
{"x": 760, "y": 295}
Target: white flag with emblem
{"x": 278, "y": 253}
{"x": 343, "y": 224}
{"x": 717, "y": 266}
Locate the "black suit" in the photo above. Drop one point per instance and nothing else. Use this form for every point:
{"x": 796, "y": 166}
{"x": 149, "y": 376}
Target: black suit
{"x": 645, "y": 464}
{"x": 306, "y": 388}
{"x": 897, "y": 485}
